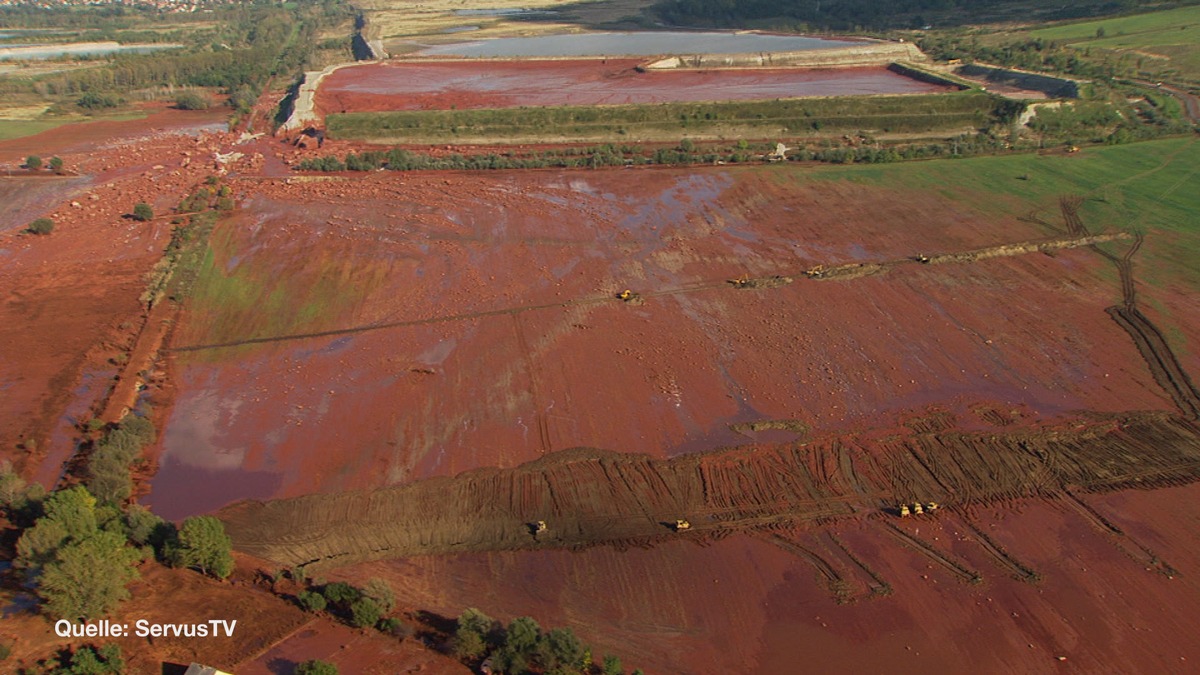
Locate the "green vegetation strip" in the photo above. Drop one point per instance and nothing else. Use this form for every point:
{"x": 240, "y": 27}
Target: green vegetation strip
{"x": 885, "y": 113}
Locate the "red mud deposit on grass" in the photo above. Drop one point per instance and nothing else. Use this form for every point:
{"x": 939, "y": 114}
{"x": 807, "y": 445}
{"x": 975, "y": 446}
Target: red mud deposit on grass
{"x": 747, "y": 604}
{"x": 500, "y": 84}
{"x": 479, "y": 326}
{"x": 71, "y": 298}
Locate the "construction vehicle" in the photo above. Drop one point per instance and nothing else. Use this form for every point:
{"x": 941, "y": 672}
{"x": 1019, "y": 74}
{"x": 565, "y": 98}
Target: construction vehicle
{"x": 917, "y": 509}
{"x": 740, "y": 281}
{"x": 923, "y": 259}
{"x": 537, "y": 528}
{"x": 1073, "y": 149}
{"x": 815, "y": 272}
{"x": 904, "y": 512}
{"x": 932, "y": 506}
{"x": 682, "y": 524}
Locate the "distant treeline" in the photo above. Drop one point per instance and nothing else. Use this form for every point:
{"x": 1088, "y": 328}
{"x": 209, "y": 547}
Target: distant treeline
{"x": 847, "y": 15}
{"x": 249, "y": 44}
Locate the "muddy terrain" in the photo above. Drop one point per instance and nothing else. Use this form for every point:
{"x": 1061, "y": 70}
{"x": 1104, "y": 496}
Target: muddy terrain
{"x": 442, "y": 85}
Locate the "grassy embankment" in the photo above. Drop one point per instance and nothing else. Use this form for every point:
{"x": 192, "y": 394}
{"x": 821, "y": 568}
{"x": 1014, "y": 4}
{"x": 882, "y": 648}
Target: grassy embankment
{"x": 1166, "y": 42}
{"x": 668, "y": 121}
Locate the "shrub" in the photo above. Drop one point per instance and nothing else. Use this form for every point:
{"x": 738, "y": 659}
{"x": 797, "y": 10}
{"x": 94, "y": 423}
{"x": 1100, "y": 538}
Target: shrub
{"x": 142, "y": 211}
{"x": 381, "y": 593}
{"x": 94, "y": 101}
{"x": 316, "y": 667}
{"x": 341, "y": 593}
{"x": 312, "y": 601}
{"x": 364, "y": 613}
{"x": 191, "y": 100}
{"x": 41, "y": 226}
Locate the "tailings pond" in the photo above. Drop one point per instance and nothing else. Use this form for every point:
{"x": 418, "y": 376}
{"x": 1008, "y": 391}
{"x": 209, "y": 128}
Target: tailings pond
{"x": 666, "y": 42}
{"x": 463, "y": 84}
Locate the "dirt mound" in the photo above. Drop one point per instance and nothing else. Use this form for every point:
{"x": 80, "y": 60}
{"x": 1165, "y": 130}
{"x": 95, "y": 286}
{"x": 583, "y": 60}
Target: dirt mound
{"x": 590, "y": 499}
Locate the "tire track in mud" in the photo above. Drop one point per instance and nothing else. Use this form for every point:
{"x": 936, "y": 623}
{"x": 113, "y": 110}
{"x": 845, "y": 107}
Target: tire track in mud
{"x": 1119, "y": 538}
{"x": 1149, "y": 340}
{"x": 1003, "y": 559}
{"x": 946, "y": 560}
{"x": 819, "y": 272}
{"x": 592, "y": 497}
{"x": 543, "y": 425}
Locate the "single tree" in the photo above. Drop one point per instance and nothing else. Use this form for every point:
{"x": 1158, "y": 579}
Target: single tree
{"x": 559, "y": 648}
{"x": 33, "y": 162}
{"x": 87, "y": 579}
{"x": 204, "y": 545}
{"x": 612, "y": 665}
{"x": 56, "y": 164}
{"x": 142, "y": 211}
{"x": 471, "y": 637}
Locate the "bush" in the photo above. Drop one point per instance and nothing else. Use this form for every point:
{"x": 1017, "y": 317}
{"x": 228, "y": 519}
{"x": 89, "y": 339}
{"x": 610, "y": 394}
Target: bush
{"x": 364, "y": 613}
{"x": 316, "y": 667}
{"x": 191, "y": 100}
{"x": 341, "y": 593}
{"x": 41, "y": 226}
{"x": 94, "y": 101}
{"x": 142, "y": 211}
{"x": 381, "y": 593}
{"x": 312, "y": 601}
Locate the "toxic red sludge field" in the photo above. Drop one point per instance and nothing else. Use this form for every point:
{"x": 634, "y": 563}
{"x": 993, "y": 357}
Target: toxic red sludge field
{"x": 472, "y": 321}
{"x": 794, "y": 361}
{"x": 441, "y": 85}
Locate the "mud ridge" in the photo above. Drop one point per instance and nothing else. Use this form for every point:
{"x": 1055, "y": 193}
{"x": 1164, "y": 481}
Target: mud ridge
{"x": 589, "y": 497}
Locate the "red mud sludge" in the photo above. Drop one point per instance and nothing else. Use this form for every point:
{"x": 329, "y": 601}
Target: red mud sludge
{"x": 500, "y": 84}
{"x": 431, "y": 324}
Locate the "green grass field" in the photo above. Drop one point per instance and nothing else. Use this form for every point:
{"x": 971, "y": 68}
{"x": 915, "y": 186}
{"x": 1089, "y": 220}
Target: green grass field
{"x": 20, "y": 128}
{"x": 1173, "y": 34}
{"x": 10, "y": 129}
{"x": 1149, "y": 186}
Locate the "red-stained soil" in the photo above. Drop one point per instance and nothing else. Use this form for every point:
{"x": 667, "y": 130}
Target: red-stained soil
{"x": 502, "y": 341}
{"x": 500, "y": 84}
{"x": 746, "y": 604}
{"x": 71, "y": 299}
